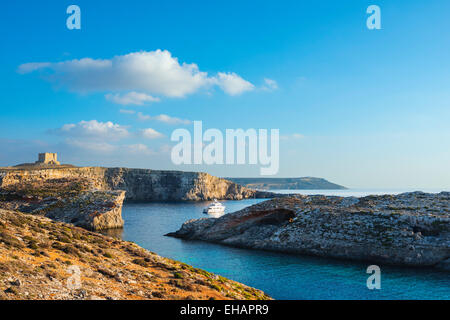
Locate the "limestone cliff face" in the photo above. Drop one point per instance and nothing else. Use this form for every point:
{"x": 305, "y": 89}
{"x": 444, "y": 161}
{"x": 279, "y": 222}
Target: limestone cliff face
{"x": 410, "y": 229}
{"x": 139, "y": 184}
{"x": 151, "y": 185}
{"x": 91, "y": 210}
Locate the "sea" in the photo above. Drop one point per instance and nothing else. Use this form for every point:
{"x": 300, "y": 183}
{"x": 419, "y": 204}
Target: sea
{"x": 282, "y": 276}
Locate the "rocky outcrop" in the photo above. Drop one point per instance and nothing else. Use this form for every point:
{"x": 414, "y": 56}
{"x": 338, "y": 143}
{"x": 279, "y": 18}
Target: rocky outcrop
{"x": 411, "y": 229}
{"x": 66, "y": 199}
{"x": 96, "y": 210}
{"x": 41, "y": 259}
{"x": 92, "y": 210}
{"x": 139, "y": 184}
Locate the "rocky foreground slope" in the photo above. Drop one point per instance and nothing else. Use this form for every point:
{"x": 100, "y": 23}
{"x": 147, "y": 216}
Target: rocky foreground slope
{"x": 44, "y": 259}
{"x": 139, "y": 184}
{"x": 411, "y": 229}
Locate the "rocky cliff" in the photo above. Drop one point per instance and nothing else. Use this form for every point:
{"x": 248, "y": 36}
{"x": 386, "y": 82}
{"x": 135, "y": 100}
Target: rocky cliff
{"x": 139, "y": 184}
{"x": 44, "y": 259}
{"x": 152, "y": 185}
{"x": 411, "y": 229}
{"x": 89, "y": 209}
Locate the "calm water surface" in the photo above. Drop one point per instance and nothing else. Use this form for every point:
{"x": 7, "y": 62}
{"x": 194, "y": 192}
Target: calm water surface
{"x": 282, "y": 276}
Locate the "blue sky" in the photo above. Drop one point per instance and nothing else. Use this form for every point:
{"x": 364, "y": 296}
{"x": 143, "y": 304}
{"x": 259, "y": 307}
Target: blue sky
{"x": 363, "y": 108}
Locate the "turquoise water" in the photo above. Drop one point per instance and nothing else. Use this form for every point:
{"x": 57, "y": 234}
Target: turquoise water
{"x": 282, "y": 276}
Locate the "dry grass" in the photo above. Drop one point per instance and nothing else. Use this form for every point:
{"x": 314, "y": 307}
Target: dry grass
{"x": 36, "y": 256}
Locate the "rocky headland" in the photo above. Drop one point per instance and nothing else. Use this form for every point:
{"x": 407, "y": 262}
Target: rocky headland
{"x": 139, "y": 184}
{"x": 411, "y": 229}
{"x": 44, "y": 259}
{"x": 304, "y": 183}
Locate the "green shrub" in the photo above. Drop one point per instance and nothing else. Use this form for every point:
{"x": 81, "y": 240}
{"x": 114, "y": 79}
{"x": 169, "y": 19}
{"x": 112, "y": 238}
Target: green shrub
{"x": 33, "y": 245}
{"x": 10, "y": 240}
{"x": 108, "y": 255}
{"x": 140, "y": 262}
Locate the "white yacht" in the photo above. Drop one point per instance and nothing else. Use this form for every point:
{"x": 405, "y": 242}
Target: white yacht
{"x": 215, "y": 209}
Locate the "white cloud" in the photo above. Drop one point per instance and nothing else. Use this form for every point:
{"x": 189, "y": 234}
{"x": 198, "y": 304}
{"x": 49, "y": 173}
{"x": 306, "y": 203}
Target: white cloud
{"x": 131, "y": 98}
{"x": 126, "y": 111}
{"x": 93, "y": 130}
{"x": 150, "y": 133}
{"x": 171, "y": 120}
{"x": 100, "y": 147}
{"x": 33, "y": 66}
{"x": 270, "y": 84}
{"x": 233, "y": 84}
{"x": 139, "y": 149}
{"x": 104, "y": 147}
{"x": 165, "y": 148}
{"x": 163, "y": 118}
{"x": 153, "y": 72}
{"x": 143, "y": 117}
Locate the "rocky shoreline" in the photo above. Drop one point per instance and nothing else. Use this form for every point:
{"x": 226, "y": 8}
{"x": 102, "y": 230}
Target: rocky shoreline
{"x": 411, "y": 229}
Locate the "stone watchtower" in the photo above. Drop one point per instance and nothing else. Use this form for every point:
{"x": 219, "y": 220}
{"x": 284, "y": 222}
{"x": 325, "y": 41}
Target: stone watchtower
{"x": 48, "y": 158}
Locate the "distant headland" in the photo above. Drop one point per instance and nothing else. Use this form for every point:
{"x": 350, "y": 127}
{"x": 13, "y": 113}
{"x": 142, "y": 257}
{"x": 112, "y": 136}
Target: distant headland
{"x": 305, "y": 183}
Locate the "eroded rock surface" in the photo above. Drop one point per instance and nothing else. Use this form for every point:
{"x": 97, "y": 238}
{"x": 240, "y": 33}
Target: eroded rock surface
{"x": 410, "y": 229}
{"x": 66, "y": 200}
{"x": 92, "y": 210}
